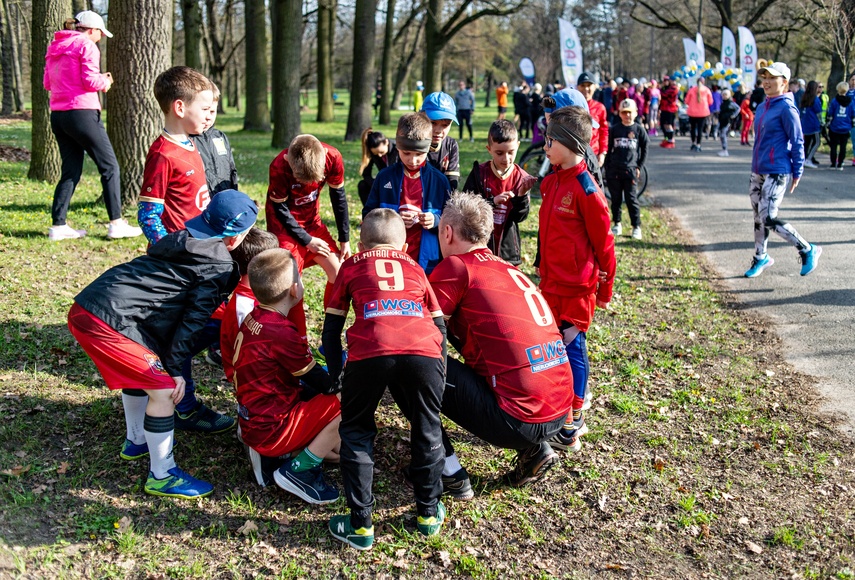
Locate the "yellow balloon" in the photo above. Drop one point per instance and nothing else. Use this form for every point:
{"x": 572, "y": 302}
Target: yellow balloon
{"x": 729, "y": 71}
{"x": 707, "y": 65}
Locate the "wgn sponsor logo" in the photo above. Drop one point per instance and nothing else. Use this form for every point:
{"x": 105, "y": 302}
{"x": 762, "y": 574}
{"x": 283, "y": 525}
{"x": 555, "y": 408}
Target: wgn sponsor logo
{"x": 545, "y": 356}
{"x": 392, "y": 307}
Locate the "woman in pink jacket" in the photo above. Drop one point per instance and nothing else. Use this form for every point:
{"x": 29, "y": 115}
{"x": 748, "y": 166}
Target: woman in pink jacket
{"x": 73, "y": 78}
{"x": 698, "y": 101}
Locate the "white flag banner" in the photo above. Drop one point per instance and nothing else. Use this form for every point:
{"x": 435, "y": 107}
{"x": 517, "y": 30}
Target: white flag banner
{"x": 728, "y": 49}
{"x": 747, "y": 58}
{"x": 571, "y": 52}
{"x": 691, "y": 50}
{"x": 699, "y": 42}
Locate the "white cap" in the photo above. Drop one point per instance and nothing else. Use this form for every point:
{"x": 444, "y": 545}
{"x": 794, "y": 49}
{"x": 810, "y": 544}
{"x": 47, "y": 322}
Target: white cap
{"x": 777, "y": 69}
{"x": 89, "y": 19}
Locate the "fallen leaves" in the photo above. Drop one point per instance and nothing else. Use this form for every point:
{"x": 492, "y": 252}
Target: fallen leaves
{"x": 248, "y": 528}
{"x": 16, "y": 471}
{"x": 752, "y": 547}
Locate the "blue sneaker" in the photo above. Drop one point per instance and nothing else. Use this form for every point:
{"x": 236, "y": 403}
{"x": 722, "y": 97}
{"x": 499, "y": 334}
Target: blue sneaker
{"x": 758, "y": 265}
{"x": 131, "y": 450}
{"x": 810, "y": 259}
{"x": 177, "y": 484}
{"x": 310, "y": 486}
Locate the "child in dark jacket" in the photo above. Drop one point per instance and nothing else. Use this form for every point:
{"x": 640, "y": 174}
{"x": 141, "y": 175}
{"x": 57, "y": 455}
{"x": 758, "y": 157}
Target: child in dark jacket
{"x": 627, "y": 152}
{"x": 377, "y": 151}
{"x": 727, "y": 115}
{"x": 216, "y": 152}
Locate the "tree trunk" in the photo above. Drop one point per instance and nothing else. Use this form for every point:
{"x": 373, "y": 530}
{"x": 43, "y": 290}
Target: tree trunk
{"x": 433, "y": 47}
{"x": 488, "y": 81}
{"x": 406, "y": 66}
{"x": 363, "y": 76}
{"x": 192, "y": 16}
{"x": 257, "y": 117}
{"x": 48, "y": 16}
{"x": 326, "y": 32}
{"x": 386, "y": 66}
{"x": 13, "y": 42}
{"x": 5, "y": 63}
{"x": 78, "y": 6}
{"x": 143, "y": 50}
{"x": 287, "y": 46}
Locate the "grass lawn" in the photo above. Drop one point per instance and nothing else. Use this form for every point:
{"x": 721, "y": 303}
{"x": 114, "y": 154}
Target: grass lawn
{"x": 705, "y": 456}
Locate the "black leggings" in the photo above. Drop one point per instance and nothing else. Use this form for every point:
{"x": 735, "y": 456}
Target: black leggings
{"x": 77, "y": 132}
{"x": 836, "y": 140}
{"x": 696, "y": 128}
{"x": 464, "y": 117}
{"x": 622, "y": 188}
{"x": 811, "y": 145}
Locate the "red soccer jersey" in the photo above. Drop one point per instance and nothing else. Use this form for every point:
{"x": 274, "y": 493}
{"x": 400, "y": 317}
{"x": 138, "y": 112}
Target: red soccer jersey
{"x": 174, "y": 177}
{"x": 516, "y": 181}
{"x": 411, "y": 200}
{"x": 271, "y": 357}
{"x": 302, "y": 199}
{"x": 241, "y": 303}
{"x": 508, "y": 334}
{"x": 393, "y": 303}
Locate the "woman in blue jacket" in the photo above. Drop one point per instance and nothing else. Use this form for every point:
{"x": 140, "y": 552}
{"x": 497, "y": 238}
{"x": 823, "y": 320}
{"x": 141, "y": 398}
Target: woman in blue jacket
{"x": 810, "y": 108}
{"x": 839, "y": 117}
{"x": 779, "y": 155}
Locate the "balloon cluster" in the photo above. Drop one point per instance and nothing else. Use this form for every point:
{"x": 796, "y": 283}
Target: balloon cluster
{"x": 717, "y": 73}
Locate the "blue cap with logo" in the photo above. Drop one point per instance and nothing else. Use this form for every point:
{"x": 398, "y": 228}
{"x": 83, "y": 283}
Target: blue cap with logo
{"x": 569, "y": 98}
{"x": 230, "y": 213}
{"x": 438, "y": 106}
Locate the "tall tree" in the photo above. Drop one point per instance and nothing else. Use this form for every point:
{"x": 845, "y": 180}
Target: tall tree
{"x": 386, "y": 64}
{"x": 326, "y": 34}
{"x": 48, "y": 16}
{"x": 257, "y": 117}
{"x": 191, "y": 14}
{"x": 6, "y": 63}
{"x": 78, "y": 6}
{"x": 141, "y": 50}
{"x": 363, "y": 74}
{"x": 12, "y": 60}
{"x": 287, "y": 45}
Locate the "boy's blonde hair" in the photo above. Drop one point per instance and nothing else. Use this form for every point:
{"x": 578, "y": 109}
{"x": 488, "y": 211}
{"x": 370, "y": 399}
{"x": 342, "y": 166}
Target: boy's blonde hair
{"x": 179, "y": 83}
{"x": 383, "y": 226}
{"x": 415, "y": 127}
{"x": 216, "y": 90}
{"x": 726, "y": 94}
{"x": 470, "y": 216}
{"x": 307, "y": 158}
{"x": 842, "y": 88}
{"x": 271, "y": 275}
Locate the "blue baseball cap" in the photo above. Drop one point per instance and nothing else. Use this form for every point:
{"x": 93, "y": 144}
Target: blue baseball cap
{"x": 438, "y": 106}
{"x": 230, "y": 213}
{"x": 570, "y": 98}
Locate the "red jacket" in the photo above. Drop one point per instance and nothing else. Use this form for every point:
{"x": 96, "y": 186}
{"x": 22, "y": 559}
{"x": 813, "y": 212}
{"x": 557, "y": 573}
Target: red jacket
{"x": 599, "y": 137}
{"x": 575, "y": 236}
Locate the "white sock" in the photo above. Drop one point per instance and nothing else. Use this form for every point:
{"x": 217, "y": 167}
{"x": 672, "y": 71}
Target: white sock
{"x": 135, "y": 417}
{"x": 452, "y": 465}
{"x": 159, "y": 434}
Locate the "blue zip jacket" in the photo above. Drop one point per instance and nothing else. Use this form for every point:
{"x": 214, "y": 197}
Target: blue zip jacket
{"x": 839, "y": 116}
{"x": 810, "y": 117}
{"x": 436, "y": 191}
{"x": 779, "y": 144}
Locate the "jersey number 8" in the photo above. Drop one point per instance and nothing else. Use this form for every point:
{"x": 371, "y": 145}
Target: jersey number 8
{"x": 540, "y": 312}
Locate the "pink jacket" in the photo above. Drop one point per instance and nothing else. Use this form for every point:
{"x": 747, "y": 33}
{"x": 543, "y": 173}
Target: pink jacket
{"x": 73, "y": 72}
{"x": 695, "y": 108}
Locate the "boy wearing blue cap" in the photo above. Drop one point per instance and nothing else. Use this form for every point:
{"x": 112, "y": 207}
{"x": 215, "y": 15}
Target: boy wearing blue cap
{"x": 139, "y": 320}
{"x": 444, "y": 153}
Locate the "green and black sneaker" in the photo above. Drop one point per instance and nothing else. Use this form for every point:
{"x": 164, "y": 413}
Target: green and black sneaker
{"x": 429, "y": 526}
{"x": 341, "y": 529}
{"x": 203, "y": 419}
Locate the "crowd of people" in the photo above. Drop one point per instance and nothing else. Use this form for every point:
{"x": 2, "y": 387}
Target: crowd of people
{"x": 432, "y": 266}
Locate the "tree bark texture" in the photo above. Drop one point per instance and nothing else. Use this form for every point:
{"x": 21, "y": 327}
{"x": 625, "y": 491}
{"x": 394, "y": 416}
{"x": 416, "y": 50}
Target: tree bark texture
{"x": 78, "y": 6}
{"x": 363, "y": 76}
{"x": 257, "y": 117}
{"x": 6, "y": 63}
{"x": 386, "y": 65}
{"x": 433, "y": 47}
{"x": 48, "y": 16}
{"x": 140, "y": 50}
{"x": 12, "y": 42}
{"x": 326, "y": 31}
{"x": 287, "y": 48}
{"x": 191, "y": 13}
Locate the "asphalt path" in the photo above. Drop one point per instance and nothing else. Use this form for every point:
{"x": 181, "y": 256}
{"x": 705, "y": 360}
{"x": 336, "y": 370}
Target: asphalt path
{"x": 814, "y": 315}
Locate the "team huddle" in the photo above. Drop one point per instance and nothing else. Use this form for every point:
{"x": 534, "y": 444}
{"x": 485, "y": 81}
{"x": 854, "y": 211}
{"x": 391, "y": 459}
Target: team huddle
{"x": 432, "y": 266}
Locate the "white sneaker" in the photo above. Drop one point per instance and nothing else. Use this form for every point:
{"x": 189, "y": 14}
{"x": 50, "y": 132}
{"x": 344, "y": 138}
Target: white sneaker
{"x": 811, "y": 164}
{"x": 617, "y": 229}
{"x": 64, "y": 232}
{"x": 636, "y": 233}
{"x": 840, "y": 168}
{"x": 723, "y": 153}
{"x": 122, "y": 229}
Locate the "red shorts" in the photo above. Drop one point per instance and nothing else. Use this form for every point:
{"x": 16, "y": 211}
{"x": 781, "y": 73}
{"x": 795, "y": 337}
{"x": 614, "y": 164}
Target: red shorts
{"x": 123, "y": 363}
{"x": 577, "y": 310}
{"x": 295, "y": 430}
{"x": 301, "y": 253}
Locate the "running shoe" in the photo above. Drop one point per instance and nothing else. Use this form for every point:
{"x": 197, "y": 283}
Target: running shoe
{"x": 311, "y": 486}
{"x": 214, "y": 357}
{"x": 341, "y": 529}
{"x": 723, "y": 153}
{"x": 263, "y": 467}
{"x": 430, "y": 525}
{"x": 758, "y": 265}
{"x": 636, "y": 233}
{"x": 177, "y": 484}
{"x": 532, "y": 464}
{"x": 617, "y": 229}
{"x": 570, "y": 440}
{"x": 203, "y": 419}
{"x": 811, "y": 164}
{"x": 131, "y": 450}
{"x": 122, "y": 229}
{"x": 589, "y": 397}
{"x": 458, "y": 485}
{"x": 64, "y": 232}
{"x": 810, "y": 259}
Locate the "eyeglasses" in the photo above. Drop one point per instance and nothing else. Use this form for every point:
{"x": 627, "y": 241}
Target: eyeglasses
{"x": 549, "y": 142}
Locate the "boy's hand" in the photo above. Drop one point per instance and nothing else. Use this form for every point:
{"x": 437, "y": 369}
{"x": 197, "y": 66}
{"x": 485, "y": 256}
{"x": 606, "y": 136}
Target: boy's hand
{"x": 637, "y": 172}
{"x": 426, "y": 219}
{"x": 603, "y": 305}
{"x": 318, "y": 246}
{"x": 178, "y": 391}
{"x": 603, "y": 276}
{"x": 503, "y": 197}
{"x": 344, "y": 248}
{"x": 410, "y": 217}
{"x": 109, "y": 77}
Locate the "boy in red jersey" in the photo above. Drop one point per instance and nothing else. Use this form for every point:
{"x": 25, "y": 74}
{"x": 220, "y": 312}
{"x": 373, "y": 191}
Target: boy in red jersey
{"x": 397, "y": 341}
{"x": 513, "y": 390}
{"x": 175, "y": 190}
{"x": 271, "y": 360}
{"x": 505, "y": 186}
{"x": 297, "y": 176}
{"x": 576, "y": 257}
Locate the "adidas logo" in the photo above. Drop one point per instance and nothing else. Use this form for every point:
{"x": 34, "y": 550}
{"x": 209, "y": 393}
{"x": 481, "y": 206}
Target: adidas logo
{"x": 388, "y": 185}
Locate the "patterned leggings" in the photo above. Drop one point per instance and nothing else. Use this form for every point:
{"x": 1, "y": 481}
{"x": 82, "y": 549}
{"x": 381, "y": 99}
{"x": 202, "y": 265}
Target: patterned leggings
{"x": 767, "y": 192}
